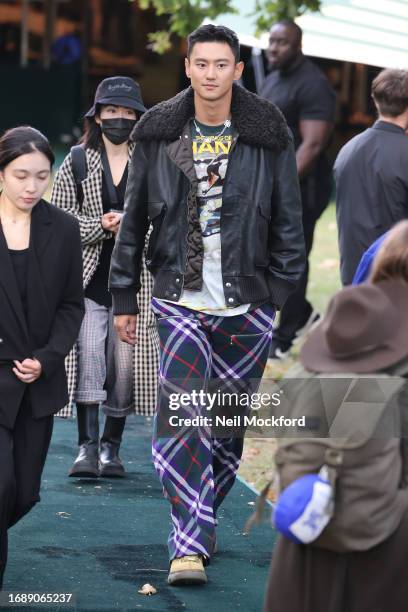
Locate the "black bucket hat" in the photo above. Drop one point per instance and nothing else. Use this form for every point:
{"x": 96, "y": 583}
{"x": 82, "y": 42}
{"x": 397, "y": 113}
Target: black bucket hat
{"x": 120, "y": 91}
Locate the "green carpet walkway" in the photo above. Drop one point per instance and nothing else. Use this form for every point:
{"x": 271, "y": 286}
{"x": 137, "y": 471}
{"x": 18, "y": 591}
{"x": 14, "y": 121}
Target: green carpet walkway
{"x": 102, "y": 540}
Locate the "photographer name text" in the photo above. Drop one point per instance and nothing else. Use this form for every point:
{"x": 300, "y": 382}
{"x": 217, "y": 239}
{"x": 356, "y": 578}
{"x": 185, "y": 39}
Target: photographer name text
{"x": 252, "y": 420}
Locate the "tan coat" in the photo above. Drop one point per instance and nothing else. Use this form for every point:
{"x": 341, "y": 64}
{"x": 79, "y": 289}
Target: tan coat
{"x": 362, "y": 439}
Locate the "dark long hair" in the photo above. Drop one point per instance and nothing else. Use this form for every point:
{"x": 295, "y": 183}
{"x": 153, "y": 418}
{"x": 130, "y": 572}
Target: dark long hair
{"x": 92, "y": 136}
{"x": 20, "y": 141}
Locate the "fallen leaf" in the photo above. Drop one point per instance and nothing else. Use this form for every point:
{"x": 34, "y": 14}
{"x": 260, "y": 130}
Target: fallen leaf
{"x": 272, "y": 495}
{"x": 251, "y": 452}
{"x": 147, "y": 589}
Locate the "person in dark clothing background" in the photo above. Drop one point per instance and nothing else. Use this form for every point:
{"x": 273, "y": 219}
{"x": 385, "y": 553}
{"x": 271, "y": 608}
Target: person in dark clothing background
{"x": 307, "y": 100}
{"x": 371, "y": 173}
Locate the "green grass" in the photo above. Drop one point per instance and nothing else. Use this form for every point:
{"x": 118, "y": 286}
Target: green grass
{"x": 257, "y": 466}
{"x": 324, "y": 261}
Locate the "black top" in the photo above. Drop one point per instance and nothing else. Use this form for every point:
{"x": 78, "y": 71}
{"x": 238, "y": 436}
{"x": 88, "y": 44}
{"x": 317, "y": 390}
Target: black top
{"x": 19, "y": 260}
{"x": 301, "y": 92}
{"x": 55, "y": 313}
{"x": 97, "y": 290}
{"x": 371, "y": 173}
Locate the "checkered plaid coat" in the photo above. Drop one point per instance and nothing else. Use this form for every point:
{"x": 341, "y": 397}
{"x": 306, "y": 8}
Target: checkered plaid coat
{"x": 146, "y": 355}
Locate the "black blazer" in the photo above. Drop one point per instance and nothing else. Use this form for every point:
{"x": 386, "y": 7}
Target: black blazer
{"x": 55, "y": 312}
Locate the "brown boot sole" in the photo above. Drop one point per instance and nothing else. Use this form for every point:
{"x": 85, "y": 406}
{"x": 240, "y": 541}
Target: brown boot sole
{"x": 186, "y": 577}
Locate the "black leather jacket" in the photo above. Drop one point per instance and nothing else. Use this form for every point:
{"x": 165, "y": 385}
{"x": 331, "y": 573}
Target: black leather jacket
{"x": 262, "y": 245}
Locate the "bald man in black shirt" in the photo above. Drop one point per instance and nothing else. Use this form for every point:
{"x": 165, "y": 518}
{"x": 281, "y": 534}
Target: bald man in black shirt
{"x": 306, "y": 98}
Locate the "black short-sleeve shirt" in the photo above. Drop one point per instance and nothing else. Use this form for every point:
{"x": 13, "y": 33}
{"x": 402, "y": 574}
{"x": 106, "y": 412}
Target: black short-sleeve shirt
{"x": 301, "y": 92}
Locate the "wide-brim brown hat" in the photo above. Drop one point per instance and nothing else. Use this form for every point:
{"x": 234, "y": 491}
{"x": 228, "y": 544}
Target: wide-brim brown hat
{"x": 365, "y": 329}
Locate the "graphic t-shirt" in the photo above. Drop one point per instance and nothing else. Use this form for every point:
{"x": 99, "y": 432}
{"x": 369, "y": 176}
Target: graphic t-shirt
{"x": 211, "y": 147}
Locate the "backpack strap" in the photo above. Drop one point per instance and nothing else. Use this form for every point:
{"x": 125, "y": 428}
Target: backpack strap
{"x": 79, "y": 170}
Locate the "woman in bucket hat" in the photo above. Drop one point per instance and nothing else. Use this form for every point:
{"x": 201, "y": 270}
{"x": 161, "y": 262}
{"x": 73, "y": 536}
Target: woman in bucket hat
{"x": 90, "y": 185}
{"x": 364, "y": 331}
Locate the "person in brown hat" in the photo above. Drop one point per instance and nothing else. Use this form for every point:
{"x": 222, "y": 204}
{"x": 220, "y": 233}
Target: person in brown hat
{"x": 364, "y": 331}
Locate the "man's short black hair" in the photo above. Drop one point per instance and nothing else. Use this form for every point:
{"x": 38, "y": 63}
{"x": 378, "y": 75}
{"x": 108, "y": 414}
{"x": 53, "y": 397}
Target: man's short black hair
{"x": 289, "y": 23}
{"x": 213, "y": 33}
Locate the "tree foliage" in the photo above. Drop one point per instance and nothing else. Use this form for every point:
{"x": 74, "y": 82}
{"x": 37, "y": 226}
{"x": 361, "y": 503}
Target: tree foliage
{"x": 270, "y": 11}
{"x": 186, "y": 15}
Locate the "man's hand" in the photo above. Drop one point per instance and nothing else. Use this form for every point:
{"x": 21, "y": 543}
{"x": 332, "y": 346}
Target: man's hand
{"x": 28, "y": 370}
{"x": 110, "y": 221}
{"x": 125, "y": 326}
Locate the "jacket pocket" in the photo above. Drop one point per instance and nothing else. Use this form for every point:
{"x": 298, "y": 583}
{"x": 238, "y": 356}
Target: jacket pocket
{"x": 248, "y": 339}
{"x": 156, "y": 212}
{"x": 262, "y": 241}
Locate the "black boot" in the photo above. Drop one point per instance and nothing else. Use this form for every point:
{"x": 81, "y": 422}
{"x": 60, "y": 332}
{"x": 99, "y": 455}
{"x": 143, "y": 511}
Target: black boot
{"x": 109, "y": 461}
{"x": 86, "y": 464}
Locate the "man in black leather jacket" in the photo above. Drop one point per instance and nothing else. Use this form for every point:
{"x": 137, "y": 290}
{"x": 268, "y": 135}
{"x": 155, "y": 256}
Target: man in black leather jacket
{"x": 214, "y": 173}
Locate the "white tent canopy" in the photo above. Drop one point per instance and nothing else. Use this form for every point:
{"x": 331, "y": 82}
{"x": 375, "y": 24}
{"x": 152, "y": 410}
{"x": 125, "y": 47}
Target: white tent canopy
{"x": 373, "y": 32}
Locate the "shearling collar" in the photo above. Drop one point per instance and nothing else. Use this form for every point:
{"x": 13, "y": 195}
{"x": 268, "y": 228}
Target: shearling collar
{"x": 258, "y": 122}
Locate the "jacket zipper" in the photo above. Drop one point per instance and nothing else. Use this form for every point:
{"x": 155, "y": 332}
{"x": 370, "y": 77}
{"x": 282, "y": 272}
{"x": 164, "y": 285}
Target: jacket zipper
{"x": 187, "y": 247}
{"x": 234, "y": 142}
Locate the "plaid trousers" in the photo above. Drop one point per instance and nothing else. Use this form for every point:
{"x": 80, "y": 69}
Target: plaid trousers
{"x": 198, "y": 352}
{"x": 105, "y": 363}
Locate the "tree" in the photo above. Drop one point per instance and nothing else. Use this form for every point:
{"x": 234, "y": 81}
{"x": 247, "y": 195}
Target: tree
{"x": 186, "y": 15}
{"x": 271, "y": 11}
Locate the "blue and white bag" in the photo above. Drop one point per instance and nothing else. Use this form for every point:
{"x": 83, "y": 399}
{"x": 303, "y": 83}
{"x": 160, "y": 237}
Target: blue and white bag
{"x": 305, "y": 507}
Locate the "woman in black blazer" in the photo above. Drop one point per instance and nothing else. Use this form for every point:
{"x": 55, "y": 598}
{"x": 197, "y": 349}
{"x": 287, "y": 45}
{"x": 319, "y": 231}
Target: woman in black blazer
{"x": 41, "y": 306}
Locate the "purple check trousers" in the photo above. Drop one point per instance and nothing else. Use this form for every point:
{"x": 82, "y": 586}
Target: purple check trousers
{"x": 202, "y": 352}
